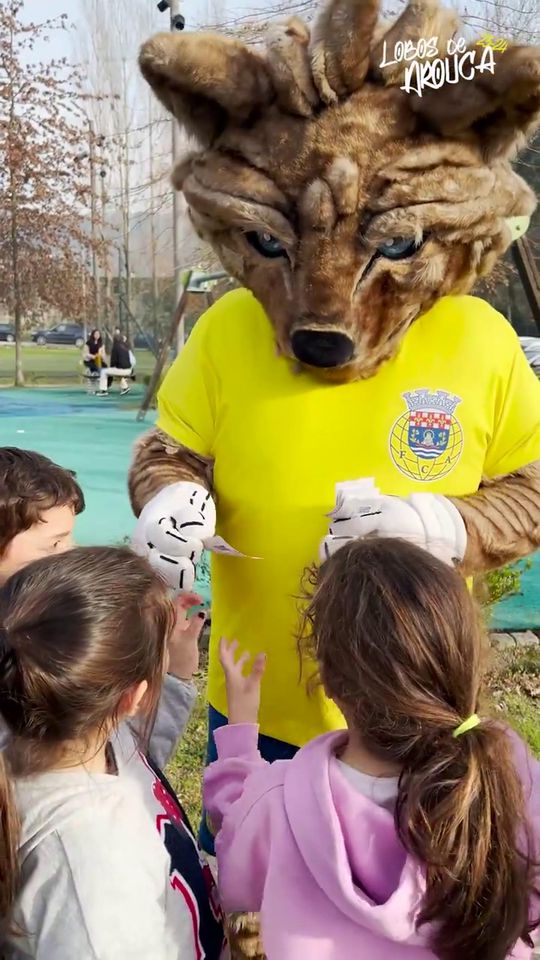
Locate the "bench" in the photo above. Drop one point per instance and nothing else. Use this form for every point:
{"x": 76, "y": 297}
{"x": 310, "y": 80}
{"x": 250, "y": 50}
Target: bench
{"x": 91, "y": 380}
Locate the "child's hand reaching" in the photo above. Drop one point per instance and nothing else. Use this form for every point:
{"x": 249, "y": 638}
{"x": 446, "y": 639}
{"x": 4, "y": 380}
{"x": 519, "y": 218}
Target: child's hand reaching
{"x": 184, "y": 639}
{"x": 243, "y": 692}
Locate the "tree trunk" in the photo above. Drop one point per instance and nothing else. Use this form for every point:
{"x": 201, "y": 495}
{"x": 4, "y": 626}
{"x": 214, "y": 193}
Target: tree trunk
{"x": 127, "y": 205}
{"x": 153, "y": 242}
{"x": 98, "y": 318}
{"x": 127, "y": 263}
{"x": 16, "y": 290}
{"x": 177, "y": 273}
{"x": 106, "y": 292}
{"x": 17, "y": 312}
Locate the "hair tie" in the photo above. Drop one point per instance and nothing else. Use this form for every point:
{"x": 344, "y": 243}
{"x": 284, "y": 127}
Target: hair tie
{"x": 469, "y": 724}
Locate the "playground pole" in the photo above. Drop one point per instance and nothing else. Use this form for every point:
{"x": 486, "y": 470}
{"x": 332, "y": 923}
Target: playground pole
{"x": 180, "y": 336}
{"x": 177, "y": 319}
{"x": 97, "y": 318}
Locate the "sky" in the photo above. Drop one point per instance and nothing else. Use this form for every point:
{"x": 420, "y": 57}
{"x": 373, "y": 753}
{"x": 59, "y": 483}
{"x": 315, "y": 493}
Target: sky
{"x": 61, "y": 44}
{"x": 195, "y": 11}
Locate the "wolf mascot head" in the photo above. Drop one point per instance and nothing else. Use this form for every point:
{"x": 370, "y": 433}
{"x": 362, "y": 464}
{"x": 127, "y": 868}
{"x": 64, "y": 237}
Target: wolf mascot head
{"x": 347, "y": 204}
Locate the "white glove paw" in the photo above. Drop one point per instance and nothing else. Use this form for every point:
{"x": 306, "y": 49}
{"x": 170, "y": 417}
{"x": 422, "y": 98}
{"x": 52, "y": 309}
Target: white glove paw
{"x": 428, "y": 520}
{"x": 171, "y": 531}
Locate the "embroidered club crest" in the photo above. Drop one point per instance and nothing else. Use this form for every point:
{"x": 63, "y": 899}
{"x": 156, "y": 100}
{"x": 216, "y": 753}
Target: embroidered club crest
{"x": 426, "y": 441}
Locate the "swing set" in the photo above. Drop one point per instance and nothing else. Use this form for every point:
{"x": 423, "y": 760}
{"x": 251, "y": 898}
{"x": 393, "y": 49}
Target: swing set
{"x": 199, "y": 283}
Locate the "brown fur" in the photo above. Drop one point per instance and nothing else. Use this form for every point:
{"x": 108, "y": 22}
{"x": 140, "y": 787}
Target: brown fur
{"x": 159, "y": 461}
{"x": 502, "y": 520}
{"x": 420, "y": 19}
{"x": 287, "y": 52}
{"x": 244, "y": 936}
{"x": 510, "y": 97}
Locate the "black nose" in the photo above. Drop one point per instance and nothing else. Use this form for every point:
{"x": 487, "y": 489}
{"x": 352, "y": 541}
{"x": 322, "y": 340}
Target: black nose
{"x": 322, "y": 348}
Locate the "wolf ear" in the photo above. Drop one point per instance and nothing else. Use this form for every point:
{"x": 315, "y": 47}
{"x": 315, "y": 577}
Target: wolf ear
{"x": 340, "y": 46}
{"x": 500, "y": 110}
{"x": 205, "y": 81}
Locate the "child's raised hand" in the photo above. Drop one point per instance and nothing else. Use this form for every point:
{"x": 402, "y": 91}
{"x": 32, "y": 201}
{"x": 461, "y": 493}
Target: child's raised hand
{"x": 184, "y": 639}
{"x": 243, "y": 691}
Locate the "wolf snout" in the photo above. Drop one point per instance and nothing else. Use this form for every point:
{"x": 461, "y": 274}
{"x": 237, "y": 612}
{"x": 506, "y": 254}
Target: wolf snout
{"x": 322, "y": 348}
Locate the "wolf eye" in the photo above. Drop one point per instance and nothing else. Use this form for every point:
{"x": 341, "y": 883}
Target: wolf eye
{"x": 398, "y": 248}
{"x": 266, "y": 244}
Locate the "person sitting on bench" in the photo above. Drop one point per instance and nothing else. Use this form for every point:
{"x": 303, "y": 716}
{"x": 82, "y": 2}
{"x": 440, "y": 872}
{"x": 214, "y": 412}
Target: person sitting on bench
{"x": 94, "y": 354}
{"x": 121, "y": 366}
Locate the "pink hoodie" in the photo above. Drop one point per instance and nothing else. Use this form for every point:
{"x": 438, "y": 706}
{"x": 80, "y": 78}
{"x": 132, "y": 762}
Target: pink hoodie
{"x": 321, "y": 862}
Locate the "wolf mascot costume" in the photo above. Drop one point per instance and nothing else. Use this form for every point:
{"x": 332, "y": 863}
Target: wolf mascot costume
{"x": 357, "y": 216}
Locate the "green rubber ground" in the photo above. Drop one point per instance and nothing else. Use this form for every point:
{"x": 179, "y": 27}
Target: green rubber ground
{"x": 93, "y": 436}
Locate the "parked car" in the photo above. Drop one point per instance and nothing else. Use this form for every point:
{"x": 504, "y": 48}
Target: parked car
{"x": 7, "y": 333}
{"x": 142, "y": 342}
{"x": 70, "y": 333}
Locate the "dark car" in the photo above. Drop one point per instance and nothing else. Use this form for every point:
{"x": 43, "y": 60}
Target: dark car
{"x": 70, "y": 333}
{"x": 7, "y": 333}
{"x": 143, "y": 341}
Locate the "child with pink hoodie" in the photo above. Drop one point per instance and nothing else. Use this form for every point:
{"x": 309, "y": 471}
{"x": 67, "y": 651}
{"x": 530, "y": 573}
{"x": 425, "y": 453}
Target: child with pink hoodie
{"x": 412, "y": 834}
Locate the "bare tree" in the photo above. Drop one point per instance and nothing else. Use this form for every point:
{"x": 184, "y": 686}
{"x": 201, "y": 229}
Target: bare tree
{"x": 43, "y": 241}
{"x": 138, "y": 187}
{"x": 515, "y": 20}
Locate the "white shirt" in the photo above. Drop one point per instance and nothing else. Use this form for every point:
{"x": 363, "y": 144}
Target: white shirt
{"x": 96, "y": 878}
{"x": 382, "y": 790}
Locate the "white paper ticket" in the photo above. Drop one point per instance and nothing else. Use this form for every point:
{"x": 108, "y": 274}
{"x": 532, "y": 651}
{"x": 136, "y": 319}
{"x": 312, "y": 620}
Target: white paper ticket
{"x": 219, "y": 545}
{"x": 353, "y": 497}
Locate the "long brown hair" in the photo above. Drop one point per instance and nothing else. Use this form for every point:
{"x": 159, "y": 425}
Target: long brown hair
{"x": 77, "y": 631}
{"x": 400, "y": 646}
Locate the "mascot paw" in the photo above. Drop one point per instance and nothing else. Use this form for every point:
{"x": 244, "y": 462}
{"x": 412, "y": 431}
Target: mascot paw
{"x": 245, "y": 937}
{"x": 426, "y": 519}
{"x": 171, "y": 531}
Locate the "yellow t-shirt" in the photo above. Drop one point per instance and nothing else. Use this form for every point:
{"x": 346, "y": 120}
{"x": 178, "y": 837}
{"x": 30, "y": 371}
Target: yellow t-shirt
{"x": 458, "y": 402}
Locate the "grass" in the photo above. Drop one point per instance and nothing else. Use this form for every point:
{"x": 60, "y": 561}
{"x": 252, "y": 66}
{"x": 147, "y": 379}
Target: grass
{"x": 185, "y": 769}
{"x": 513, "y": 689}
{"x": 56, "y": 365}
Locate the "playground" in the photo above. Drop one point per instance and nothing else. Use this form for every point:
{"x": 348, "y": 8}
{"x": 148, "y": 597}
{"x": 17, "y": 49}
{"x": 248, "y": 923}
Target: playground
{"x": 92, "y": 436}
{"x": 56, "y": 365}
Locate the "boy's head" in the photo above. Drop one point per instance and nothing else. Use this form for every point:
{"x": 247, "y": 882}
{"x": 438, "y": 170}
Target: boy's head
{"x": 38, "y": 504}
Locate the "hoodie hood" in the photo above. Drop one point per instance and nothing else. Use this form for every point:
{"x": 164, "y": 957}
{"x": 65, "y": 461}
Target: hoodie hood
{"x": 358, "y": 859}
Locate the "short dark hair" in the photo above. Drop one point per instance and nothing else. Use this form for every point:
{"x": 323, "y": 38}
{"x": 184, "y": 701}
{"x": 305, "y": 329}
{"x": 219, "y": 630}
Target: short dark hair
{"x": 30, "y": 484}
